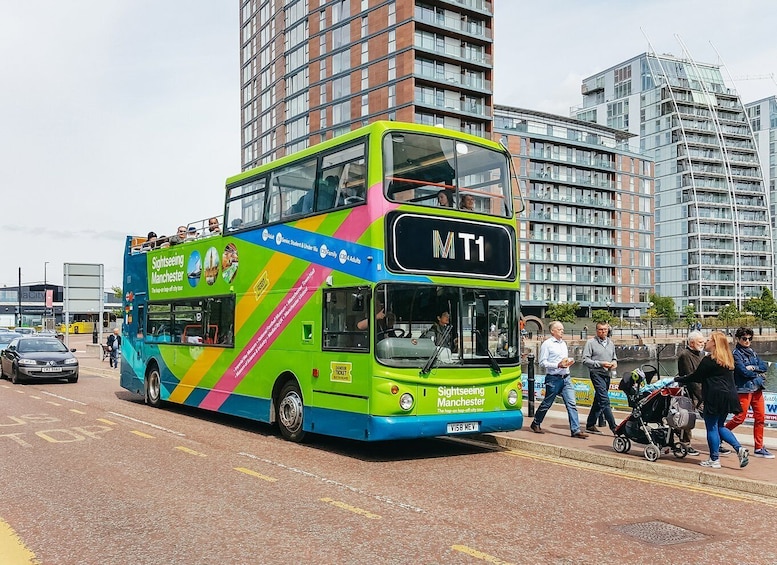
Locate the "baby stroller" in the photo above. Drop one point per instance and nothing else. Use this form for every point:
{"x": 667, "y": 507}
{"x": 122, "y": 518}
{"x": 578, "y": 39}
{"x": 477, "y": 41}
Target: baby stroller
{"x": 656, "y": 416}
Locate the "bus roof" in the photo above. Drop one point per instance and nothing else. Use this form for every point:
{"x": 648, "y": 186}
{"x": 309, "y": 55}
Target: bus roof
{"x": 378, "y": 127}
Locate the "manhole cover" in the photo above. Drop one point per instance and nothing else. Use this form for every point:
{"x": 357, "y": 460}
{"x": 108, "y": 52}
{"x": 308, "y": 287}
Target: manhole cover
{"x": 659, "y": 533}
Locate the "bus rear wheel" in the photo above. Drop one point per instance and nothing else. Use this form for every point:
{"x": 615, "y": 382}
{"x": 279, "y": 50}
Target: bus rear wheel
{"x": 290, "y": 412}
{"x": 153, "y": 387}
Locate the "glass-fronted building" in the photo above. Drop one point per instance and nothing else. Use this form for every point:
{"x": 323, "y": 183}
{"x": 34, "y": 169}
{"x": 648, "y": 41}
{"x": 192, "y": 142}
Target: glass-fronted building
{"x": 713, "y": 235}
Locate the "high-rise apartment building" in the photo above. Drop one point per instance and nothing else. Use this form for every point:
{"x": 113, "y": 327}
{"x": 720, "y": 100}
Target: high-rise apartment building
{"x": 312, "y": 69}
{"x": 763, "y": 120}
{"x": 713, "y": 236}
{"x": 586, "y": 233}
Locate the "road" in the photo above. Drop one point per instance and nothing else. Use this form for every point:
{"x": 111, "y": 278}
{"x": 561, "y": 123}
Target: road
{"x": 90, "y": 475}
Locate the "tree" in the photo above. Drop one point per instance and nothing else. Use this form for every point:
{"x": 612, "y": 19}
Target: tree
{"x": 563, "y": 312}
{"x": 763, "y": 308}
{"x": 663, "y": 307}
{"x": 728, "y": 314}
{"x": 117, "y": 291}
{"x": 689, "y": 315}
{"x": 602, "y": 317}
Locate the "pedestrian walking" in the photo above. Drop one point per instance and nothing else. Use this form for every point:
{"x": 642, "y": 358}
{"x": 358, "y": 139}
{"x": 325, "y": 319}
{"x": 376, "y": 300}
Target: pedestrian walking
{"x": 716, "y": 375}
{"x": 687, "y": 362}
{"x": 114, "y": 345}
{"x": 750, "y": 377}
{"x": 600, "y": 359}
{"x": 554, "y": 358}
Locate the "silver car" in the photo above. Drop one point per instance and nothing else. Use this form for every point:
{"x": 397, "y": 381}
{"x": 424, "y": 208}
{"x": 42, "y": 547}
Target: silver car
{"x": 27, "y": 358}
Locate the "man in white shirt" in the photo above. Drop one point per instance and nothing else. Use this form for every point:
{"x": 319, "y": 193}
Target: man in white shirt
{"x": 554, "y": 358}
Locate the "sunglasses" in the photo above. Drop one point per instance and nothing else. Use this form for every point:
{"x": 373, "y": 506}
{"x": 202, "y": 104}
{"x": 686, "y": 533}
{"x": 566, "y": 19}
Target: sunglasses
{"x": 746, "y": 338}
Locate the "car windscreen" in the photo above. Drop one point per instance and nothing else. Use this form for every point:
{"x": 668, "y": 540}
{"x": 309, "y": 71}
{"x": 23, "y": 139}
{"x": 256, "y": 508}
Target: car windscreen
{"x": 52, "y": 345}
{"x": 5, "y": 339}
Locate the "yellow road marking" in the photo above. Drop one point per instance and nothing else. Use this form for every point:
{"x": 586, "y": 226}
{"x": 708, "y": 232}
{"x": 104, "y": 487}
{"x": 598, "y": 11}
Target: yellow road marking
{"x": 190, "y": 451}
{"x": 12, "y": 549}
{"x": 350, "y": 508}
{"x": 104, "y": 421}
{"x": 479, "y": 555}
{"x": 77, "y": 411}
{"x": 35, "y": 397}
{"x": 19, "y": 391}
{"x": 141, "y": 434}
{"x": 649, "y": 479}
{"x": 255, "y": 474}
{"x": 54, "y": 403}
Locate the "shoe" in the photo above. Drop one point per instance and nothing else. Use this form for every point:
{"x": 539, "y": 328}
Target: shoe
{"x": 593, "y": 430}
{"x": 724, "y": 450}
{"x": 536, "y": 428}
{"x": 691, "y": 451}
{"x": 763, "y": 452}
{"x": 580, "y": 435}
{"x": 743, "y": 457}
{"x": 711, "y": 463}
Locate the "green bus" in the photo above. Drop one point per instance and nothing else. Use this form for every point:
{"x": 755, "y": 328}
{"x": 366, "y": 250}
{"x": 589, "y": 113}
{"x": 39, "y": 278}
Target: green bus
{"x": 365, "y": 288}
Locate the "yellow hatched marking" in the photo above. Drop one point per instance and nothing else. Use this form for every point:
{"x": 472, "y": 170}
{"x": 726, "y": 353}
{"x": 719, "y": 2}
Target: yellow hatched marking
{"x": 141, "y": 434}
{"x": 54, "y": 403}
{"x": 190, "y": 451}
{"x": 479, "y": 555}
{"x": 12, "y": 548}
{"x": 104, "y": 421}
{"x": 354, "y": 509}
{"x": 77, "y": 411}
{"x": 255, "y": 474}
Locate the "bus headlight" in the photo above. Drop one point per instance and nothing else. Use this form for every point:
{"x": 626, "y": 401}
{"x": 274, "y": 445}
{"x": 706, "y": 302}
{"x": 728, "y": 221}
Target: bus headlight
{"x": 512, "y": 397}
{"x": 406, "y": 401}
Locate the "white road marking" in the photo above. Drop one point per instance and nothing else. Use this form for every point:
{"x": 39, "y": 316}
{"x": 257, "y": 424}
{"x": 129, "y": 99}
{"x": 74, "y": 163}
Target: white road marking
{"x": 338, "y": 484}
{"x": 149, "y": 424}
{"x": 64, "y": 398}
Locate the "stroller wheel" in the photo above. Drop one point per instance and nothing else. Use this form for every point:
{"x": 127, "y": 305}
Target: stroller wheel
{"x": 621, "y": 444}
{"x": 652, "y": 453}
{"x": 679, "y": 450}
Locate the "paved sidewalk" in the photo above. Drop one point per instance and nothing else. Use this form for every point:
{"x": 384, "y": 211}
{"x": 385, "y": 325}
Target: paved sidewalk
{"x": 759, "y": 477}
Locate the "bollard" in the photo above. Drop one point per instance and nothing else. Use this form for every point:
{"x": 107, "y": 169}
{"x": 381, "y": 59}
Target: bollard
{"x": 530, "y": 383}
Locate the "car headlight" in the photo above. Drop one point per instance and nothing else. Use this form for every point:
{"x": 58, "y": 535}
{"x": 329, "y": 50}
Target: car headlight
{"x": 406, "y": 401}
{"x": 71, "y": 361}
{"x": 27, "y": 362}
{"x": 512, "y": 397}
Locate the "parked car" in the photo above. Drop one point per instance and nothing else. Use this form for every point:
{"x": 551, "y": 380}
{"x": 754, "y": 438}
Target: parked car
{"x": 24, "y": 330}
{"x": 6, "y": 338}
{"x": 32, "y": 357}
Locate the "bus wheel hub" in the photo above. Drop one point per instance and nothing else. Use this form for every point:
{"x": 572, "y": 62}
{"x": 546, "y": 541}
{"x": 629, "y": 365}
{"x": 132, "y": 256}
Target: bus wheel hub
{"x": 290, "y": 411}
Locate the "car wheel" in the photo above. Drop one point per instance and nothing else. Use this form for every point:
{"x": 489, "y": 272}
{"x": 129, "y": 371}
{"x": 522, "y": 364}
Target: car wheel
{"x": 73, "y": 379}
{"x": 153, "y": 387}
{"x": 15, "y": 378}
{"x": 290, "y": 412}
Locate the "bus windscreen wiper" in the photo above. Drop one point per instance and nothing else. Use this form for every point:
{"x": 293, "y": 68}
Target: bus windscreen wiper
{"x": 443, "y": 339}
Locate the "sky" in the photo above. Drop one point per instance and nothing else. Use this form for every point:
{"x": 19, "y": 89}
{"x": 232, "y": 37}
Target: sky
{"x": 122, "y": 116}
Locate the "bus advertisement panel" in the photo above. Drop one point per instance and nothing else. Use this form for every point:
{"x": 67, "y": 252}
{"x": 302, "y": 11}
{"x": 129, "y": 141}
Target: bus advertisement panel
{"x": 344, "y": 295}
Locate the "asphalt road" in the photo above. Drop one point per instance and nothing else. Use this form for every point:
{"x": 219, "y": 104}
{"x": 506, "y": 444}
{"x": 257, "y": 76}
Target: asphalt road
{"x": 90, "y": 475}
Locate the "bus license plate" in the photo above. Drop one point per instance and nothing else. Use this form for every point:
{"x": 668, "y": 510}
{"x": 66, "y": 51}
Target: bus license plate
{"x": 462, "y": 427}
{"x": 51, "y": 370}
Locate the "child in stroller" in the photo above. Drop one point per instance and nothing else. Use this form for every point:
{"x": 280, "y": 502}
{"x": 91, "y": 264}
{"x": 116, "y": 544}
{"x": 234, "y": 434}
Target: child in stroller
{"x": 656, "y": 416}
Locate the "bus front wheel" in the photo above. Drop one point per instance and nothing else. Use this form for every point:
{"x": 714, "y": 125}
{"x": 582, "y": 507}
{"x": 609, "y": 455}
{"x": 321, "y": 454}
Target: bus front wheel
{"x": 290, "y": 411}
{"x": 153, "y": 387}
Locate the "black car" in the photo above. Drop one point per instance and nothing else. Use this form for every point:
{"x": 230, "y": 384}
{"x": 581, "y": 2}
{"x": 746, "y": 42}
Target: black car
{"x": 34, "y": 357}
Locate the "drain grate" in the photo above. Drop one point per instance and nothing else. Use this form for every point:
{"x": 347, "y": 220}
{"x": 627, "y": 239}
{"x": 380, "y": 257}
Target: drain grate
{"x": 659, "y": 533}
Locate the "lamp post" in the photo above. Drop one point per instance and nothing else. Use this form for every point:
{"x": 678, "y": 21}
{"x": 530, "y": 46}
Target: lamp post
{"x": 650, "y": 317}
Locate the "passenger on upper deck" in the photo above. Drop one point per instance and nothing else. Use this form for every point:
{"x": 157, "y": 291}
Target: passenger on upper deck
{"x": 179, "y": 237}
{"x": 150, "y": 243}
{"x": 213, "y": 226}
{"x": 467, "y": 202}
{"x": 192, "y": 233}
{"x": 444, "y": 199}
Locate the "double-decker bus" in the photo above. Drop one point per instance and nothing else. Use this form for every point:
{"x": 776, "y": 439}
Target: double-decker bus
{"x": 366, "y": 288}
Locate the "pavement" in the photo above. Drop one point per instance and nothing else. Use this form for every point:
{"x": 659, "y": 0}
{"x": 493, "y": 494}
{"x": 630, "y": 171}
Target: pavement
{"x": 758, "y": 478}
